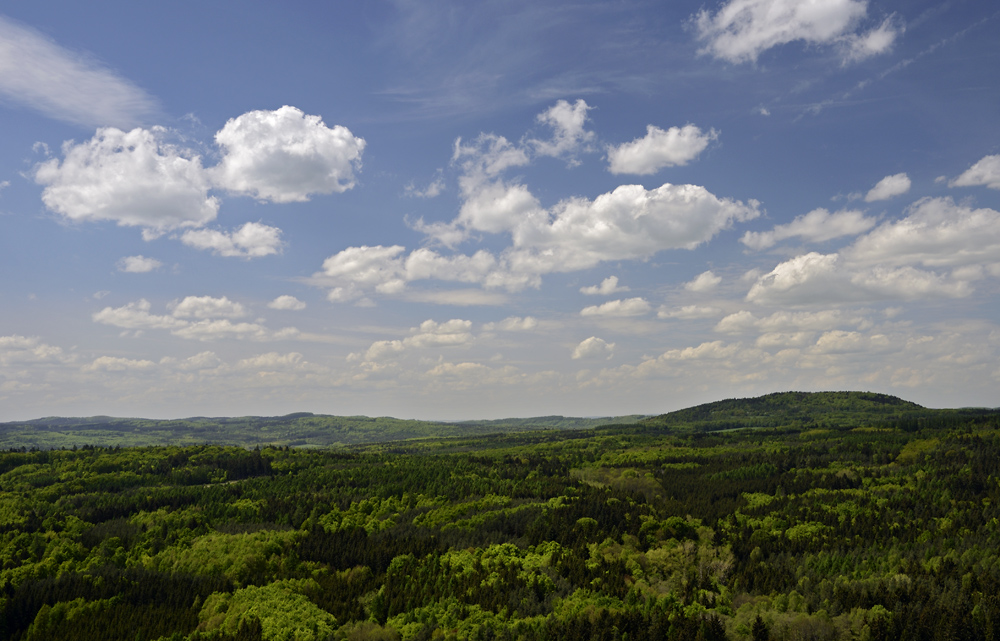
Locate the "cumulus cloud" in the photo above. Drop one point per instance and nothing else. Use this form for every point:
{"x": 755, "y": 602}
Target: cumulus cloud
{"x": 815, "y": 278}
{"x": 286, "y": 156}
{"x": 271, "y": 361}
{"x": 985, "y": 172}
{"x": 138, "y": 264}
{"x": 137, "y": 178}
{"x": 784, "y": 321}
{"x": 118, "y": 364}
{"x": 513, "y": 324}
{"x": 567, "y": 122}
{"x": 130, "y": 178}
{"x": 630, "y": 222}
{"x": 251, "y": 240}
{"x": 618, "y": 308}
{"x": 16, "y": 349}
{"x": 207, "y": 307}
{"x": 741, "y": 30}
{"x": 707, "y": 350}
{"x": 659, "y": 149}
{"x": 627, "y": 224}
{"x": 704, "y": 282}
{"x": 137, "y": 315}
{"x": 195, "y": 317}
{"x": 37, "y": 72}
{"x": 488, "y": 155}
{"x": 467, "y": 297}
{"x": 356, "y": 269}
{"x": 817, "y": 226}
{"x": 936, "y": 232}
{"x": 937, "y": 250}
{"x": 212, "y": 329}
{"x": 607, "y": 287}
{"x": 889, "y": 187}
{"x": 353, "y": 272}
{"x": 452, "y": 333}
{"x": 594, "y": 347}
{"x": 688, "y": 312}
{"x": 286, "y": 302}
{"x": 200, "y": 361}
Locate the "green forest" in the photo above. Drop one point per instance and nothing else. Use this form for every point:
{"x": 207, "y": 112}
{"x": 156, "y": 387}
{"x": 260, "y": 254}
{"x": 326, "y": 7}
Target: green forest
{"x": 791, "y": 516}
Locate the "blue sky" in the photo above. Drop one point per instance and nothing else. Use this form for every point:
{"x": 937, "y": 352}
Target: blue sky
{"x": 472, "y": 210}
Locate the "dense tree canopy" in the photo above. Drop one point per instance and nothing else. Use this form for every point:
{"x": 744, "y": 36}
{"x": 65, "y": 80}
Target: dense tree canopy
{"x": 885, "y": 527}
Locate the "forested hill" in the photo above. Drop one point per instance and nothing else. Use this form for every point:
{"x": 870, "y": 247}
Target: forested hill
{"x": 301, "y": 429}
{"x": 826, "y": 410}
{"x": 793, "y": 410}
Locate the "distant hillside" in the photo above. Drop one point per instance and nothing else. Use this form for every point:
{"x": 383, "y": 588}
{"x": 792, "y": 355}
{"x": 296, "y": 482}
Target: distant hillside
{"x": 301, "y": 429}
{"x": 792, "y": 410}
{"x": 835, "y": 410}
{"x": 550, "y": 422}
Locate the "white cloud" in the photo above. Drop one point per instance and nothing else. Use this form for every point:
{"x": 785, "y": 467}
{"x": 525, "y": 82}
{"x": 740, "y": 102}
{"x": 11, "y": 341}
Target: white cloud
{"x": 286, "y": 302}
{"x": 200, "y": 361}
{"x": 489, "y": 155}
{"x": 285, "y": 156}
{"x": 207, "y": 307}
{"x": 704, "y": 282}
{"x": 905, "y": 259}
{"x": 513, "y": 324}
{"x": 889, "y": 187}
{"x": 659, "y": 149}
{"x": 212, "y": 320}
{"x": 688, "y": 312}
{"x": 844, "y": 342}
{"x": 628, "y": 223}
{"x": 741, "y": 30}
{"x": 457, "y": 297}
{"x": 784, "y": 321}
{"x": 138, "y": 264}
{"x": 212, "y": 329}
{"x": 708, "y": 350}
{"x": 825, "y": 279}
{"x": 117, "y": 364}
{"x": 453, "y": 333}
{"x": 865, "y": 45}
{"x": 607, "y": 287}
{"x": 271, "y": 361}
{"x": 251, "y": 240}
{"x": 355, "y": 269}
{"x": 68, "y": 86}
{"x": 618, "y": 308}
{"x": 817, "y": 226}
{"x": 936, "y": 232}
{"x": 131, "y": 178}
{"x": 496, "y": 207}
{"x": 985, "y": 172}
{"x": 594, "y": 347}
{"x": 426, "y": 263}
{"x": 567, "y": 122}
{"x": 16, "y": 349}
{"x": 136, "y": 316}
{"x": 432, "y": 190}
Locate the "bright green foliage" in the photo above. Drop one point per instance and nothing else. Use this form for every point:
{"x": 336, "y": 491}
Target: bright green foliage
{"x": 852, "y": 517}
{"x": 285, "y": 614}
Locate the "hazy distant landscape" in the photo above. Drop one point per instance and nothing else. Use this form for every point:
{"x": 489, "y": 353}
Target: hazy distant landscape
{"x": 840, "y": 515}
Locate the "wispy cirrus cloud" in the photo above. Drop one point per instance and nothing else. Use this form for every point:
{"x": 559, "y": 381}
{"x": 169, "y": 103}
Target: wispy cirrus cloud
{"x": 66, "y": 85}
